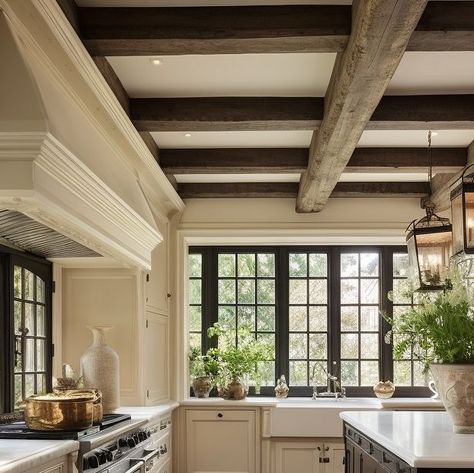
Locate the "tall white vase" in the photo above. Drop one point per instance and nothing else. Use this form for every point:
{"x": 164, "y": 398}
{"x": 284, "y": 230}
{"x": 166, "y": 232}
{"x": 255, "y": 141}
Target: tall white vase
{"x": 100, "y": 368}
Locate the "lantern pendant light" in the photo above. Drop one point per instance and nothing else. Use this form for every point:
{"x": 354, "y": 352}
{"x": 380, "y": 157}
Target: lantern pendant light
{"x": 462, "y": 212}
{"x": 429, "y": 242}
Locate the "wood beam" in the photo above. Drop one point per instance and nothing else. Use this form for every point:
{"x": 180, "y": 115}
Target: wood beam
{"x": 278, "y": 160}
{"x": 290, "y": 190}
{"x": 442, "y": 184}
{"x": 381, "y": 30}
{"x": 444, "y": 26}
{"x": 296, "y": 113}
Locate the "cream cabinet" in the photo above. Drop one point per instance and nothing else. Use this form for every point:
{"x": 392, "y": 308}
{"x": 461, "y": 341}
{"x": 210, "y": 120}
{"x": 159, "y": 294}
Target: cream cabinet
{"x": 64, "y": 464}
{"x": 221, "y": 441}
{"x": 308, "y": 456}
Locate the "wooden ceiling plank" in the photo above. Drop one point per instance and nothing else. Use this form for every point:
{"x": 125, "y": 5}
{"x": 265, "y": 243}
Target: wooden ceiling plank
{"x": 444, "y": 26}
{"x": 290, "y": 190}
{"x": 442, "y": 112}
{"x": 295, "y": 160}
{"x": 380, "y": 34}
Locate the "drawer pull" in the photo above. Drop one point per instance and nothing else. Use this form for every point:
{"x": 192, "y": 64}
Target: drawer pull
{"x": 220, "y": 414}
{"x": 386, "y": 459}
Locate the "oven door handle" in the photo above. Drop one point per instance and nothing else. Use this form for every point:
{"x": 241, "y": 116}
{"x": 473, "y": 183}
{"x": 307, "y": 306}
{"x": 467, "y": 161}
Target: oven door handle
{"x": 144, "y": 460}
{"x": 135, "y": 468}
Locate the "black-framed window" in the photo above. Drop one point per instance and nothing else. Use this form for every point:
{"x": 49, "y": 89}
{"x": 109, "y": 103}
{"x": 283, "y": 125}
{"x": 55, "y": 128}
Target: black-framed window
{"x": 25, "y": 306}
{"x": 320, "y": 307}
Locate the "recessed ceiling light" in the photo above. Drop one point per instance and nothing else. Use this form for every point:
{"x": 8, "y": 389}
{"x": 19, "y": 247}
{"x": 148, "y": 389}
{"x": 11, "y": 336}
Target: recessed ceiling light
{"x": 156, "y": 61}
{"x": 187, "y": 135}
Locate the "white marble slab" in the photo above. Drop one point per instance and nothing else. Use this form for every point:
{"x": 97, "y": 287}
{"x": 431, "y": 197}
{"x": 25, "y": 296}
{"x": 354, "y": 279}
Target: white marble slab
{"x": 219, "y": 402}
{"x": 423, "y": 439}
{"x": 149, "y": 413}
{"x": 17, "y": 456}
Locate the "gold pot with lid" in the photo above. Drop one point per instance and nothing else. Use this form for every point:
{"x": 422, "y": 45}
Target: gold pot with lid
{"x": 64, "y": 410}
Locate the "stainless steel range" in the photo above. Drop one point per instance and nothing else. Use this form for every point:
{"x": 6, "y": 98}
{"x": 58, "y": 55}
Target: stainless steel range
{"x": 129, "y": 447}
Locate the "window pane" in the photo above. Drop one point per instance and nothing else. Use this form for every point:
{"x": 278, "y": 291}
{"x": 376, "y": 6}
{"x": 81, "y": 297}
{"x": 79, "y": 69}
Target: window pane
{"x": 349, "y": 265}
{"x": 318, "y": 319}
{"x": 40, "y": 355}
{"x": 318, "y": 346}
{"x": 298, "y": 373}
{"x": 369, "y": 291}
{"x": 194, "y": 266}
{"x": 369, "y": 318}
{"x": 29, "y": 385}
{"x": 30, "y": 318}
{"x": 349, "y": 318}
{"x": 318, "y": 265}
{"x": 17, "y": 282}
{"x": 318, "y": 367}
{"x": 17, "y": 315}
{"x": 369, "y": 264}
{"x": 195, "y": 317}
{"x": 349, "y": 345}
{"x": 246, "y": 291}
{"x": 226, "y": 265}
{"x": 226, "y": 317}
{"x": 29, "y": 280}
{"x": 298, "y": 291}
{"x": 369, "y": 345}
{"x": 298, "y": 319}
{"x": 246, "y": 264}
{"x": 266, "y": 318}
{"x": 195, "y": 340}
{"x": 349, "y": 373}
{"x": 402, "y": 373}
{"x": 266, "y": 291}
{"x": 318, "y": 291}
{"x": 298, "y": 265}
{"x": 420, "y": 378}
{"x": 246, "y": 317}
{"x": 349, "y": 291}
{"x": 369, "y": 373}
{"x": 40, "y": 290}
{"x": 226, "y": 291}
{"x": 194, "y": 291}
{"x": 400, "y": 265}
{"x": 41, "y": 383}
{"x": 18, "y": 396}
{"x": 30, "y": 354}
{"x": 399, "y": 292}
{"x": 266, "y": 265}
{"x": 267, "y": 372}
{"x": 298, "y": 346}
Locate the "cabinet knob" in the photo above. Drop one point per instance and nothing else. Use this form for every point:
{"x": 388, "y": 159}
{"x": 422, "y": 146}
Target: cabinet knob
{"x": 220, "y": 415}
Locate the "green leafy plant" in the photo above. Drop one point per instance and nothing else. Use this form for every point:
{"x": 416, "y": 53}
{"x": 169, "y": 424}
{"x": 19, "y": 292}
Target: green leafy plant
{"x": 237, "y": 362}
{"x": 201, "y": 366}
{"x": 440, "y": 328}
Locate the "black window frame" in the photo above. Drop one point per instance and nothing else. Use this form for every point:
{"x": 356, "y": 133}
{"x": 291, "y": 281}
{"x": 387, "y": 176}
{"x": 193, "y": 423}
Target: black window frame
{"x": 9, "y": 258}
{"x": 386, "y": 252}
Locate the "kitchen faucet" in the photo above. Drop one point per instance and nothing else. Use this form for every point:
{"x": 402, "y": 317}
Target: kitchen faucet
{"x": 333, "y": 389}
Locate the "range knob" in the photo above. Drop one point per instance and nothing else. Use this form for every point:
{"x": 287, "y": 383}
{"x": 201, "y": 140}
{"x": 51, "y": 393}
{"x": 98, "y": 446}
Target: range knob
{"x": 122, "y": 442}
{"x": 136, "y": 438}
{"x": 101, "y": 457}
{"x": 131, "y": 442}
{"x": 93, "y": 461}
{"x": 142, "y": 435}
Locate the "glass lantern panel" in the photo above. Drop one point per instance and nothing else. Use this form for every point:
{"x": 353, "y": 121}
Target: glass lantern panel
{"x": 413, "y": 273}
{"x": 458, "y": 225}
{"x": 434, "y": 251}
{"x": 469, "y": 221}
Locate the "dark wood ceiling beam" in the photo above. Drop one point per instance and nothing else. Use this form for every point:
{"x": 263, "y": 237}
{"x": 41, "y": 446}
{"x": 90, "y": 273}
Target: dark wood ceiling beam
{"x": 380, "y": 33}
{"x": 444, "y": 26}
{"x": 409, "y": 112}
{"x": 290, "y": 190}
{"x": 289, "y": 160}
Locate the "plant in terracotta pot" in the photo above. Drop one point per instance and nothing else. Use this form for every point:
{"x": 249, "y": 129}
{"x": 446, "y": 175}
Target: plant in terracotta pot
{"x": 440, "y": 330}
{"x": 237, "y": 363}
{"x": 203, "y": 370}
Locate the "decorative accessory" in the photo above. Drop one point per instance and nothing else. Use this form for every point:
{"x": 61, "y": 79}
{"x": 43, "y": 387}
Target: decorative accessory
{"x": 429, "y": 242}
{"x": 100, "y": 368}
{"x": 281, "y": 388}
{"x": 384, "y": 390}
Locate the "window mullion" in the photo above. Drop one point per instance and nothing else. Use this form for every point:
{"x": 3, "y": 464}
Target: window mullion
{"x": 387, "y": 309}
{"x": 335, "y": 311}
{"x": 282, "y": 312}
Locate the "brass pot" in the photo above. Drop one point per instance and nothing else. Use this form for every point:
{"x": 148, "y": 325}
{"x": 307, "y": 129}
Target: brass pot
{"x": 60, "y": 412}
{"x": 80, "y": 393}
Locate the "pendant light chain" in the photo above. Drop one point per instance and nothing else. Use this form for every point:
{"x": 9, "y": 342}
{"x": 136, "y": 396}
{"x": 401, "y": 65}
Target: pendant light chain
{"x": 429, "y": 206}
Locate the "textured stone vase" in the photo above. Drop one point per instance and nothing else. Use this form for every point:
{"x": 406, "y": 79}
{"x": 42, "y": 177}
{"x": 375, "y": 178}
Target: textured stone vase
{"x": 100, "y": 368}
{"x": 455, "y": 386}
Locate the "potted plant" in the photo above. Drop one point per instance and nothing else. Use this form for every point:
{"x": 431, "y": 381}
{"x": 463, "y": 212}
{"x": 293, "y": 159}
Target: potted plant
{"x": 203, "y": 369}
{"x": 440, "y": 330}
{"x": 237, "y": 363}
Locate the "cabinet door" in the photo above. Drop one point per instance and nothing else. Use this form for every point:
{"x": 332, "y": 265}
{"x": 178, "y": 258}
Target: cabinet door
{"x": 292, "y": 457}
{"x": 337, "y": 460}
{"x": 220, "y": 441}
{"x": 156, "y": 376}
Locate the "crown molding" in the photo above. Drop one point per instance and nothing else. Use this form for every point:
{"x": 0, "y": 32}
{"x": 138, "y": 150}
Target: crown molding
{"x": 56, "y": 45}
{"x": 68, "y": 197}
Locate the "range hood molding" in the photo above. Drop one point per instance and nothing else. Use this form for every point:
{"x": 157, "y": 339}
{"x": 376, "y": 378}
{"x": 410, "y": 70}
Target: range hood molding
{"x": 59, "y": 191}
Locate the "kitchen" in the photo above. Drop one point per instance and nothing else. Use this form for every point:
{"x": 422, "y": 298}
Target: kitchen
{"x": 164, "y": 184}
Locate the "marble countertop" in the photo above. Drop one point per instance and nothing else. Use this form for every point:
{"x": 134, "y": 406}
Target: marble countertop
{"x": 149, "y": 413}
{"x": 17, "y": 456}
{"x": 219, "y": 402}
{"x": 422, "y": 439}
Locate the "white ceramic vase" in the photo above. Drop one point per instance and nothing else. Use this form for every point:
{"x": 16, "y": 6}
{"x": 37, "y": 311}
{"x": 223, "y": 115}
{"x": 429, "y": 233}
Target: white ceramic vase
{"x": 455, "y": 385}
{"x": 100, "y": 368}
